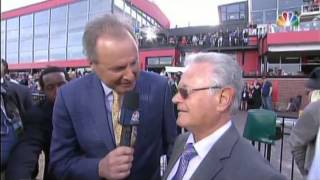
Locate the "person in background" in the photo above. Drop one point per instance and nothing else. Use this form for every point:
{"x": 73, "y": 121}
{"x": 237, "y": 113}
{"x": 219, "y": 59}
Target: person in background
{"x": 266, "y": 92}
{"x": 244, "y": 98}
{"x": 209, "y": 93}
{"x": 20, "y": 92}
{"x": 256, "y": 95}
{"x": 15, "y": 100}
{"x": 86, "y": 126}
{"x": 303, "y": 136}
{"x": 38, "y": 129}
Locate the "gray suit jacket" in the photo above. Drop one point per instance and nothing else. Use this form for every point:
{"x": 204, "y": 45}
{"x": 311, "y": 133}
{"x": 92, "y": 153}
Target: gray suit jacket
{"x": 230, "y": 158}
{"x": 303, "y": 136}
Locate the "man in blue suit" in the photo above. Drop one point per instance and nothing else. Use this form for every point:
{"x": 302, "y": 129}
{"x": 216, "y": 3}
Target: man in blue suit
{"x": 84, "y": 142}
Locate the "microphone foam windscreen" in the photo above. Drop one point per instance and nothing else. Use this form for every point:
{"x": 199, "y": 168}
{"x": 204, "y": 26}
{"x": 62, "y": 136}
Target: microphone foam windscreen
{"x": 131, "y": 100}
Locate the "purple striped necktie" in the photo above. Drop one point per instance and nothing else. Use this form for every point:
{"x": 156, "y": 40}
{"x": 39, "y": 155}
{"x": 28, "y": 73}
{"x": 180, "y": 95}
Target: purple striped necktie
{"x": 187, "y": 155}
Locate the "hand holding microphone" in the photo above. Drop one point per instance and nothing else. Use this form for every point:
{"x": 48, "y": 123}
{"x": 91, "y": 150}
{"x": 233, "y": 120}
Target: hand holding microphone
{"x": 117, "y": 164}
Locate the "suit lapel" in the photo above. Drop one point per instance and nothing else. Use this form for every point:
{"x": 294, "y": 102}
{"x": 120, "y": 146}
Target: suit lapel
{"x": 99, "y": 112}
{"x": 213, "y": 162}
{"x": 176, "y": 153}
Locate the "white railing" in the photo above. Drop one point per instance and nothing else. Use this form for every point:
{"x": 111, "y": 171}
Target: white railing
{"x": 303, "y": 26}
{"x": 310, "y": 9}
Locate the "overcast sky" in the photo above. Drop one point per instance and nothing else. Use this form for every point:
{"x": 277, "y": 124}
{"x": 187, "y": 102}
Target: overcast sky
{"x": 180, "y": 12}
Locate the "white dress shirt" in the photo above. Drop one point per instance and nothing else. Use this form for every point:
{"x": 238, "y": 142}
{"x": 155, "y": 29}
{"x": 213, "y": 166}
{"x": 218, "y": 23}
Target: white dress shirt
{"x": 202, "y": 147}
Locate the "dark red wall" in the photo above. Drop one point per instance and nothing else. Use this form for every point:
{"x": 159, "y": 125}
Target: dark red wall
{"x": 249, "y": 62}
{"x": 302, "y": 37}
{"x": 40, "y": 65}
{"x": 144, "y": 54}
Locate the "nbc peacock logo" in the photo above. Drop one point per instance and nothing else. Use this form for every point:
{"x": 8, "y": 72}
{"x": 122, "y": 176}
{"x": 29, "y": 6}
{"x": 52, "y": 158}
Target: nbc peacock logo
{"x": 288, "y": 18}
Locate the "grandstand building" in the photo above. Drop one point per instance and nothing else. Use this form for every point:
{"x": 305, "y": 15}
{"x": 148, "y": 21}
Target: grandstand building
{"x": 277, "y": 38}
{"x": 50, "y": 32}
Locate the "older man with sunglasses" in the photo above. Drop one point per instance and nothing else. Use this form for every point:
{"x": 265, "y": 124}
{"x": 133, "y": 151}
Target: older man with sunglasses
{"x": 208, "y": 94}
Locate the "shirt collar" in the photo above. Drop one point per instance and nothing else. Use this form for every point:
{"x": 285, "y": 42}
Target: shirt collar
{"x": 106, "y": 89}
{"x": 204, "y": 145}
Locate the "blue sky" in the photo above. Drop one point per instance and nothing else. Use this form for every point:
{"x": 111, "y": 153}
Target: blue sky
{"x": 180, "y": 12}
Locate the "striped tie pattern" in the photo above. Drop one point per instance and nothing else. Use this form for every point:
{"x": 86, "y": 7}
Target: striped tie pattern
{"x": 116, "y": 110}
{"x": 187, "y": 155}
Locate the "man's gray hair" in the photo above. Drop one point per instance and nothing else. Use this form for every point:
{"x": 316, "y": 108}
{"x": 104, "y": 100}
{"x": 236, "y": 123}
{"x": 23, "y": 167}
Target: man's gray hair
{"x": 226, "y": 72}
{"x": 111, "y": 25}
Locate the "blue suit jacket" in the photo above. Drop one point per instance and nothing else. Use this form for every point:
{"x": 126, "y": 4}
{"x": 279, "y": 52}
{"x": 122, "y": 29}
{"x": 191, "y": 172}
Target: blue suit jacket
{"x": 82, "y": 135}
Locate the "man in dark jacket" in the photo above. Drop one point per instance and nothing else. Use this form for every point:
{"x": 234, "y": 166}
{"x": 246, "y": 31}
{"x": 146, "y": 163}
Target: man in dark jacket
{"x": 15, "y": 100}
{"x": 38, "y": 130}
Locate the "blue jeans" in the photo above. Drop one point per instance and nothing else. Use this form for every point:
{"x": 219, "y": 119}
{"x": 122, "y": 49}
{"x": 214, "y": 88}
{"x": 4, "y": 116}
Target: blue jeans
{"x": 267, "y": 102}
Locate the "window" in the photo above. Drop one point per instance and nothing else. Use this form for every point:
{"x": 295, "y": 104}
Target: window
{"x": 75, "y": 38}
{"x": 26, "y": 45}
{"x": 233, "y": 16}
{"x": 233, "y": 8}
{"x": 42, "y": 30}
{"x": 41, "y": 43}
{"x": 58, "y": 33}
{"x": 223, "y": 9}
{"x": 26, "y": 21}
{"x": 127, "y": 9}
{"x": 58, "y": 28}
{"x": 41, "y": 56}
{"x": 290, "y": 66}
{"x": 12, "y": 47}
{"x": 223, "y": 16}
{"x": 166, "y": 60}
{"x": 98, "y": 7}
{"x": 257, "y": 17}
{"x": 263, "y": 4}
{"x": 41, "y": 36}
{"x": 3, "y": 39}
{"x": 271, "y": 16}
{"x": 77, "y": 23}
{"x": 242, "y": 15}
{"x": 57, "y": 54}
{"x": 79, "y": 9}
{"x": 13, "y": 24}
{"x": 242, "y": 6}
{"x": 26, "y": 33}
{"x": 288, "y": 4}
{"x": 75, "y": 52}
{"x": 25, "y": 57}
{"x": 119, "y": 3}
{"x": 283, "y": 66}
{"x": 3, "y": 26}
{"x": 13, "y": 35}
{"x": 273, "y": 66}
{"x": 58, "y": 40}
{"x": 153, "y": 61}
{"x": 59, "y": 14}
{"x": 41, "y": 17}
{"x": 12, "y": 58}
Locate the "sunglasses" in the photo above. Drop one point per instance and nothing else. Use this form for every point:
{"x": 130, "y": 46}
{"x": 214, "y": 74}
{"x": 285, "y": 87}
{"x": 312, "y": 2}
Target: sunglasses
{"x": 185, "y": 92}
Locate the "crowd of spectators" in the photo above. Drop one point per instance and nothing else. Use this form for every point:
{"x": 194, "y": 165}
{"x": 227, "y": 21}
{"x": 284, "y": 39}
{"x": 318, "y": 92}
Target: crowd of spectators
{"x": 220, "y": 38}
{"x": 31, "y": 80}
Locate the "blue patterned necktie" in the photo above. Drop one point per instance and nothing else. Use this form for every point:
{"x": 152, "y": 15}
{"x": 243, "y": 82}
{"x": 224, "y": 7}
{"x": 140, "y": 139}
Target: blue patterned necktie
{"x": 187, "y": 155}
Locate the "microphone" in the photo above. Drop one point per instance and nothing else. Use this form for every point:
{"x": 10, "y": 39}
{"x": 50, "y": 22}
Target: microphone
{"x": 129, "y": 118}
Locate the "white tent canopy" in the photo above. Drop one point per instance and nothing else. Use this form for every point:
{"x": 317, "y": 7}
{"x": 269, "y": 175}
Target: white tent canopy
{"x": 173, "y": 69}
